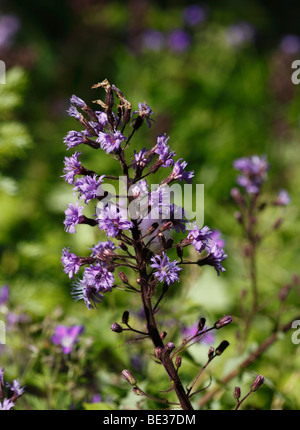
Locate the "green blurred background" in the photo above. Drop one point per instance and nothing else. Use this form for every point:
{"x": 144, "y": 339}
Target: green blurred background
{"x": 221, "y": 89}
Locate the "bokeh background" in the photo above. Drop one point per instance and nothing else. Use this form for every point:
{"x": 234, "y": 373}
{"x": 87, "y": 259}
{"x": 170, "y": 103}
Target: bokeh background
{"x": 218, "y": 77}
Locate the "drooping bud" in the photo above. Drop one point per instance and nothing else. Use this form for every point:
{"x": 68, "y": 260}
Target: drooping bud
{"x": 128, "y": 376}
{"x": 125, "y": 317}
{"x": 223, "y": 321}
{"x": 258, "y": 381}
{"x": 116, "y": 328}
{"x": 221, "y": 348}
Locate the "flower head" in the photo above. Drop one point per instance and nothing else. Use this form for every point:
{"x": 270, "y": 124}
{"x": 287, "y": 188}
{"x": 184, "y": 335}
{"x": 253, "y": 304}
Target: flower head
{"x": 6, "y": 405}
{"x": 77, "y": 101}
{"x": 163, "y": 150}
{"x": 215, "y": 257}
{"x": 72, "y": 167}
{"x": 88, "y": 293}
{"x": 70, "y": 262}
{"x": 66, "y": 337}
{"x": 111, "y": 220}
{"x": 180, "y": 174}
{"x": 283, "y": 198}
{"x": 73, "y": 214}
{"x": 74, "y": 138}
{"x": 87, "y": 187}
{"x": 166, "y": 270}
{"x": 200, "y": 237}
{"x": 110, "y": 142}
{"x": 99, "y": 277}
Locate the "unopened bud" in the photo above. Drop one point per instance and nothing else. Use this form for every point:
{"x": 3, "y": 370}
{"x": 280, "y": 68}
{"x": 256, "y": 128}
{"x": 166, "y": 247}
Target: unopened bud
{"x": 169, "y": 347}
{"x": 179, "y": 250}
{"x": 259, "y": 380}
{"x": 237, "y": 393}
{"x": 162, "y": 239}
{"x": 221, "y": 348}
{"x": 125, "y": 317}
{"x": 201, "y": 324}
{"x": 169, "y": 243}
{"x": 237, "y": 196}
{"x": 158, "y": 352}
{"x": 163, "y": 335}
{"x": 211, "y": 352}
{"x": 277, "y": 223}
{"x": 178, "y": 361}
{"x": 115, "y": 327}
{"x": 223, "y": 321}
{"x": 166, "y": 226}
{"x": 152, "y": 228}
{"x": 284, "y": 292}
{"x": 109, "y": 98}
{"x": 128, "y": 376}
{"x": 123, "y": 246}
{"x": 123, "y": 277}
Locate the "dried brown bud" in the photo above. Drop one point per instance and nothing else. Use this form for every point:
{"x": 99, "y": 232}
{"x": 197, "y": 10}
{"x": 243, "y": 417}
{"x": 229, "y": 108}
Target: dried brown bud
{"x": 222, "y": 322}
{"x": 221, "y": 348}
{"x": 259, "y": 380}
{"x": 211, "y": 352}
{"x": 128, "y": 376}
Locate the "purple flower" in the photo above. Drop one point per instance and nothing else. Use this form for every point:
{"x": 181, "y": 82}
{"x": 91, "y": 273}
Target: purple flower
{"x": 144, "y": 112}
{"x": 73, "y": 214}
{"x": 4, "y": 294}
{"x": 72, "y": 167}
{"x": 179, "y": 40}
{"x": 66, "y": 337}
{"x": 200, "y": 237}
{"x": 101, "y": 247}
{"x": 111, "y": 220}
{"x": 290, "y": 44}
{"x": 254, "y": 172}
{"x": 163, "y": 150}
{"x": 87, "y": 187}
{"x": 9, "y": 25}
{"x": 99, "y": 277}
{"x": 283, "y": 199}
{"x": 102, "y": 118}
{"x": 140, "y": 160}
{"x": 73, "y": 138}
{"x": 194, "y": 14}
{"x": 215, "y": 257}
{"x": 88, "y": 293}
{"x": 110, "y": 142}
{"x": 70, "y": 262}
{"x": 216, "y": 237}
{"x": 16, "y": 388}
{"x": 72, "y": 111}
{"x": 153, "y": 39}
{"x": 207, "y": 338}
{"x": 77, "y": 101}
{"x": 166, "y": 270}
{"x": 6, "y": 405}
{"x": 179, "y": 172}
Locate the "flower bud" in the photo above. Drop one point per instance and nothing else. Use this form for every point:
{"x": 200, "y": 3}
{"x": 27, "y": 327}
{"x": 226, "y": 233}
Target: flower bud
{"x": 237, "y": 393}
{"x": 125, "y": 317}
{"x": 211, "y": 352}
{"x": 128, "y": 376}
{"x": 116, "y": 328}
{"x": 158, "y": 352}
{"x": 163, "y": 335}
{"x": 123, "y": 246}
{"x": 284, "y": 292}
{"x": 222, "y": 322}
{"x": 152, "y": 228}
{"x": 178, "y": 361}
{"x": 166, "y": 226}
{"x": 221, "y": 348}
{"x": 179, "y": 250}
{"x": 123, "y": 277}
{"x": 259, "y": 380}
{"x": 201, "y": 324}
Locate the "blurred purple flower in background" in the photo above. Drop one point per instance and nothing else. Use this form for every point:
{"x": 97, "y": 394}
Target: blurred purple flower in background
{"x": 207, "y": 338}
{"x": 283, "y": 198}
{"x": 253, "y": 170}
{"x": 9, "y": 25}
{"x": 153, "y": 40}
{"x": 178, "y": 40}
{"x": 194, "y": 14}
{"x": 239, "y": 34}
{"x": 4, "y": 294}
{"x": 290, "y": 44}
{"x": 66, "y": 337}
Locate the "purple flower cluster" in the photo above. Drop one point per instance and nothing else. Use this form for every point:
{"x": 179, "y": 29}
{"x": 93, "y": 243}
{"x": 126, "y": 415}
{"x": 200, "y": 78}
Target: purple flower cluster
{"x": 150, "y": 224}
{"x": 13, "y": 392}
{"x": 254, "y": 172}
